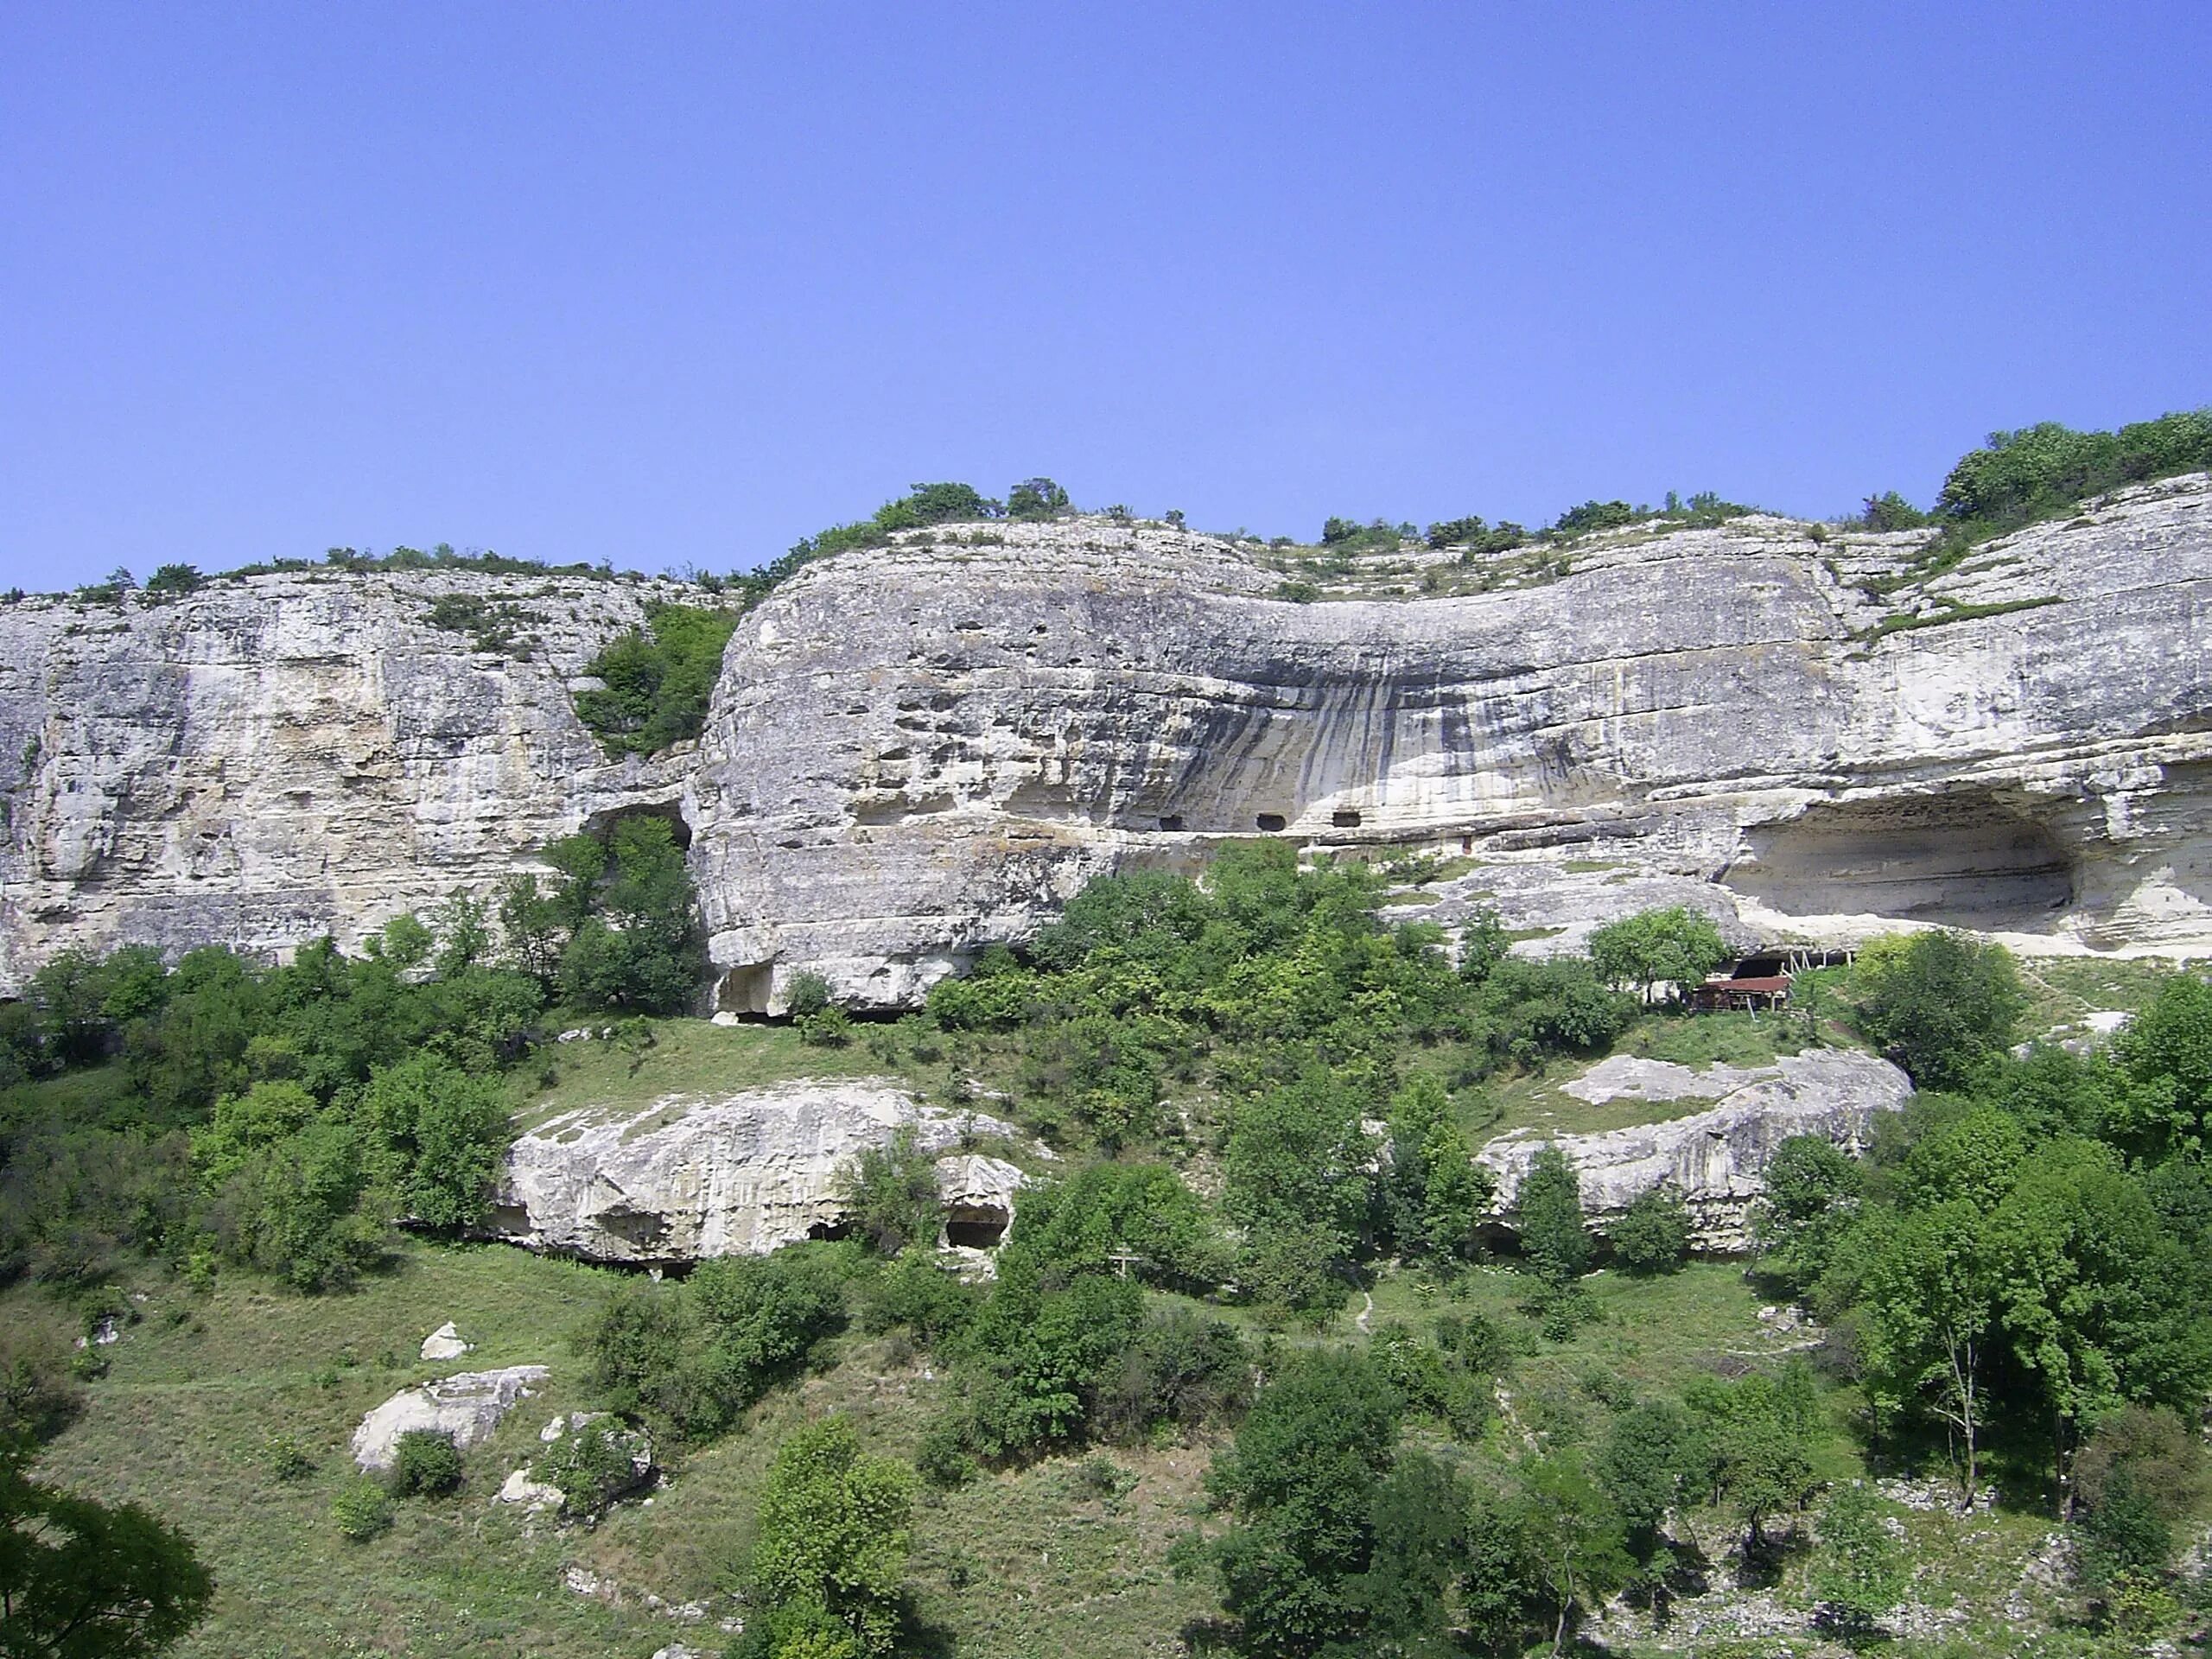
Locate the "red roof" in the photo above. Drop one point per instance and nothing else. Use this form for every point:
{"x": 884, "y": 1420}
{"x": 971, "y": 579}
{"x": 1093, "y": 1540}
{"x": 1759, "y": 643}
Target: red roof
{"x": 1778, "y": 983}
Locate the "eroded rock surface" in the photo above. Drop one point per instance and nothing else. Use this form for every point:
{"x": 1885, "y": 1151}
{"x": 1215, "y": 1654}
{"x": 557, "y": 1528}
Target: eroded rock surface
{"x": 916, "y": 750}
{"x": 467, "y": 1406}
{"x": 1715, "y": 1158}
{"x": 691, "y": 1177}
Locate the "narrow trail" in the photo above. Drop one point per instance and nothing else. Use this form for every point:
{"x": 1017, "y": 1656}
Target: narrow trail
{"x": 1366, "y": 1313}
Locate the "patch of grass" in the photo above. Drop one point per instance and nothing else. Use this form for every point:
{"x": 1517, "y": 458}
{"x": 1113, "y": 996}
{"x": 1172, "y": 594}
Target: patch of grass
{"x": 181, "y": 1420}
{"x": 2061, "y": 989}
{"x": 1590, "y": 866}
{"x": 1704, "y": 1039}
{"x": 691, "y": 1057}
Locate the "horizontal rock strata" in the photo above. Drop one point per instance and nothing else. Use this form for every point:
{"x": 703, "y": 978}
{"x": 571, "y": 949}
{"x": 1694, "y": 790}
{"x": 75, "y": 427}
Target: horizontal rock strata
{"x": 691, "y": 1177}
{"x": 1715, "y": 1158}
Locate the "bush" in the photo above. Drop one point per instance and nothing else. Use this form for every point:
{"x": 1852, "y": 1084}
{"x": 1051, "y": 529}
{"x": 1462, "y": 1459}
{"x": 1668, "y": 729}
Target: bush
{"x": 658, "y": 682}
{"x": 1653, "y": 1235}
{"x": 1180, "y": 1369}
{"x": 1036, "y": 499}
{"x": 425, "y": 1463}
{"x": 890, "y": 1196}
{"x": 362, "y": 1510}
{"x": 285, "y": 1459}
{"x": 830, "y": 1551}
{"x": 596, "y": 1462}
{"x": 1548, "y": 1211}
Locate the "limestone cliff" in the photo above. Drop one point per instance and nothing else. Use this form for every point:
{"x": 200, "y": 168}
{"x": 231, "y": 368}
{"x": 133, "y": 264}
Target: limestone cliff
{"x": 280, "y": 756}
{"x": 916, "y": 750}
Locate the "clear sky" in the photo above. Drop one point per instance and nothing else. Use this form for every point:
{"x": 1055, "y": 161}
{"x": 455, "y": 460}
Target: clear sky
{"x": 666, "y": 284}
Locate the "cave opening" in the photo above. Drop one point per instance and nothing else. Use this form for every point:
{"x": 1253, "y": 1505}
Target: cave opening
{"x": 979, "y": 1227}
{"x": 1968, "y": 858}
{"x": 601, "y": 825}
{"x": 1271, "y": 821}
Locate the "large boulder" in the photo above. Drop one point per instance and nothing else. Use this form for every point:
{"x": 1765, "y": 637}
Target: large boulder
{"x": 467, "y": 1406}
{"x": 693, "y": 1176}
{"x": 1715, "y": 1158}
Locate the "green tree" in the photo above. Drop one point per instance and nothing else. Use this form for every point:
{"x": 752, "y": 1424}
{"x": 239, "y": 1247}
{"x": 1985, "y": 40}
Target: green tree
{"x": 1036, "y": 497}
{"x": 1861, "y": 1572}
{"x": 889, "y": 1193}
{"x": 84, "y": 1581}
{"x": 1577, "y": 1547}
{"x": 1301, "y": 1481}
{"x": 1812, "y": 1195}
{"x": 1419, "y": 1520}
{"x": 1927, "y": 1312}
{"x": 655, "y": 683}
{"x": 2085, "y": 1271}
{"x": 1759, "y": 1431}
{"x": 1653, "y": 1235}
{"x": 1677, "y": 945}
{"x": 1435, "y": 1193}
{"x": 1944, "y": 1005}
{"x": 1548, "y": 1213}
{"x": 1296, "y": 1172}
{"x": 441, "y": 1135}
{"x": 835, "y": 1526}
{"x": 2165, "y": 1054}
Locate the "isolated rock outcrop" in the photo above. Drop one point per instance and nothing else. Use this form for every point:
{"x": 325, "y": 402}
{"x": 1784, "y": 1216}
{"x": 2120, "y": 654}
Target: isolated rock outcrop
{"x": 1715, "y": 1158}
{"x": 445, "y": 1343}
{"x": 688, "y": 1177}
{"x": 916, "y": 750}
{"x": 467, "y": 1406}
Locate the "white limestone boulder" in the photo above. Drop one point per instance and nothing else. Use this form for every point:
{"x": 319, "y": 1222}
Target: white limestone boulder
{"x": 445, "y": 1343}
{"x": 689, "y": 1177}
{"x": 467, "y": 1406}
{"x": 1715, "y": 1158}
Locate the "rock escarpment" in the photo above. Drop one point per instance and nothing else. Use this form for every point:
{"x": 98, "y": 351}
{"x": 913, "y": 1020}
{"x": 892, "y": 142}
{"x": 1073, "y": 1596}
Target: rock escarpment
{"x": 277, "y": 757}
{"x": 736, "y": 1174}
{"x": 1715, "y": 1158}
{"x": 918, "y": 750}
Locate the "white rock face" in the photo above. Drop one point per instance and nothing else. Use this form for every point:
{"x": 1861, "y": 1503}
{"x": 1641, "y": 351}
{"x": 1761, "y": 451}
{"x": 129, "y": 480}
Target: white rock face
{"x": 918, "y": 750}
{"x": 1717, "y": 1157}
{"x": 691, "y": 1177}
{"x": 467, "y": 1406}
{"x": 279, "y": 757}
{"x": 445, "y": 1343}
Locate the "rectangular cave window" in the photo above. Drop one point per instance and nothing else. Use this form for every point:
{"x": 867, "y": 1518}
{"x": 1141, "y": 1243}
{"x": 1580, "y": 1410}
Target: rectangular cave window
{"x": 1271, "y": 821}
{"x": 1345, "y": 820}
{"x": 1173, "y": 821}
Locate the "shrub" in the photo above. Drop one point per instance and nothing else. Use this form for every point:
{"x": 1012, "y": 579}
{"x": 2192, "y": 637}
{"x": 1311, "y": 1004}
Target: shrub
{"x": 285, "y": 1459}
{"x": 597, "y": 1461}
{"x": 1180, "y": 1369}
{"x": 657, "y": 681}
{"x": 1036, "y": 499}
{"x": 1861, "y": 1571}
{"x": 362, "y": 1510}
{"x": 1548, "y": 1215}
{"x": 835, "y": 1528}
{"x": 890, "y": 1196}
{"x": 425, "y": 1463}
{"x": 1653, "y": 1235}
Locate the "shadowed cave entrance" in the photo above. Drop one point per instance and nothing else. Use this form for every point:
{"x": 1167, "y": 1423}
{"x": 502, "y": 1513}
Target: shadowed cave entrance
{"x": 1970, "y": 859}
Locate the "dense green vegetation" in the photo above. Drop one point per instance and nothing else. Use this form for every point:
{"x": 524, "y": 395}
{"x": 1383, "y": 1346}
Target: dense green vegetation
{"x": 658, "y": 682}
{"x": 1264, "y": 1254}
{"x": 2040, "y": 472}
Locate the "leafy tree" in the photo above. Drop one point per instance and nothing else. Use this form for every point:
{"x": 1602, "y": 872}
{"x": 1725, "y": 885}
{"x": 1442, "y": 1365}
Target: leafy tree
{"x": 1649, "y": 1455}
{"x": 1927, "y": 1313}
{"x": 1042, "y": 1351}
{"x": 641, "y": 950}
{"x": 1419, "y": 1520}
{"x": 1294, "y": 1170}
{"x": 1301, "y": 1481}
{"x": 88, "y": 1580}
{"x": 1548, "y": 1213}
{"x": 1533, "y": 1008}
{"x": 835, "y": 1526}
{"x": 1082, "y": 1222}
{"x": 1435, "y": 1194}
{"x": 2165, "y": 1054}
{"x": 1759, "y": 1434}
{"x": 1861, "y": 1572}
{"x": 1944, "y": 1005}
{"x": 1890, "y": 510}
{"x": 443, "y": 1133}
{"x": 1678, "y": 945}
{"x": 1575, "y": 1544}
{"x": 2046, "y": 468}
{"x": 2085, "y": 1271}
{"x": 178, "y": 578}
{"x": 1812, "y": 1194}
{"x": 1036, "y": 499}
{"x": 1180, "y": 1369}
{"x": 1653, "y": 1236}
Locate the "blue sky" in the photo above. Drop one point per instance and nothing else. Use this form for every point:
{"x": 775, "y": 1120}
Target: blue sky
{"x": 663, "y": 283}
